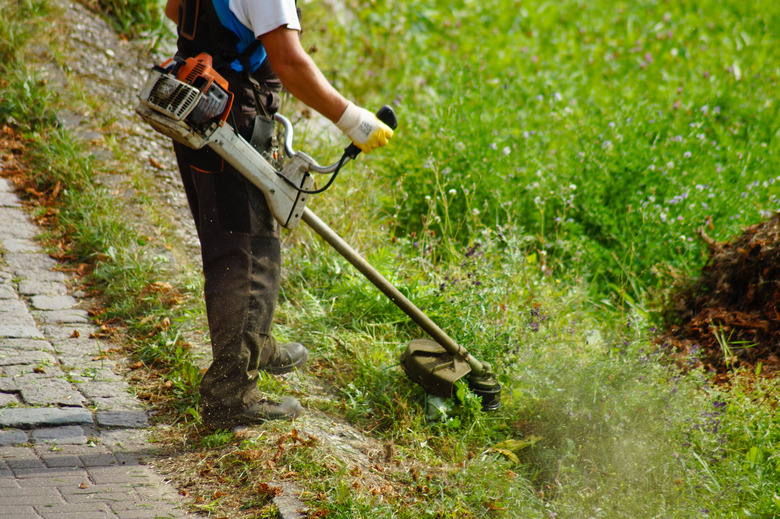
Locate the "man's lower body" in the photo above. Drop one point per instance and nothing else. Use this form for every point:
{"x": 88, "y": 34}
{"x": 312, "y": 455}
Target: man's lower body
{"x": 240, "y": 247}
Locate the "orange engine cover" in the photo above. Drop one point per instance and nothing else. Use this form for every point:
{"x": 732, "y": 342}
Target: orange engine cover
{"x": 217, "y": 98}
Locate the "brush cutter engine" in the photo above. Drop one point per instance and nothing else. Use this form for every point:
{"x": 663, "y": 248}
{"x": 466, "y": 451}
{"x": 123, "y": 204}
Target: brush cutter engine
{"x": 183, "y": 98}
{"x": 188, "y": 101}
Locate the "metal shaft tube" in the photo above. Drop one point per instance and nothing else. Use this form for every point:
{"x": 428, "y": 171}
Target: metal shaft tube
{"x": 392, "y": 293}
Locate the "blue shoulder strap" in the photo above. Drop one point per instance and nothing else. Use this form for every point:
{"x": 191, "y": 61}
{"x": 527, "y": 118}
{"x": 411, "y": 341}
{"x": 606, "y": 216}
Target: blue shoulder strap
{"x": 246, "y": 38}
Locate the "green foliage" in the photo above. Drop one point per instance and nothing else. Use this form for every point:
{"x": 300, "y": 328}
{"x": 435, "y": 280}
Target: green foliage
{"x": 218, "y": 439}
{"x": 738, "y": 449}
{"x": 611, "y": 133}
{"x": 25, "y": 99}
{"x": 19, "y": 22}
{"x": 132, "y": 17}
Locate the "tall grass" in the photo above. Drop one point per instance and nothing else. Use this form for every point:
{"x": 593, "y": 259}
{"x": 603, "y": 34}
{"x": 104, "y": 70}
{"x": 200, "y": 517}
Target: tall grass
{"x": 610, "y": 132}
{"x": 131, "y": 17}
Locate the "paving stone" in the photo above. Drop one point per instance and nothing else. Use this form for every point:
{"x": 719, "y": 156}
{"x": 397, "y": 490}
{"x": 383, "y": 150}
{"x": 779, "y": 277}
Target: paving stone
{"x": 88, "y": 449}
{"x": 24, "y": 321}
{"x": 33, "y": 266}
{"x": 132, "y": 475}
{"x": 69, "y": 434}
{"x": 55, "y": 302}
{"x": 79, "y": 346}
{"x": 18, "y": 225}
{"x": 14, "y": 357}
{"x": 33, "y": 370}
{"x": 12, "y": 216}
{"x": 21, "y": 458}
{"x": 47, "y": 391}
{"x": 116, "y": 404}
{"x": 7, "y": 399}
{"x": 12, "y": 308}
{"x": 8, "y": 384}
{"x": 83, "y": 367}
{"x": 70, "y": 316}
{"x": 31, "y": 417}
{"x": 18, "y": 512}
{"x": 122, "y": 440}
{"x": 124, "y": 419}
{"x": 85, "y": 359}
{"x": 100, "y": 389}
{"x": 92, "y": 493}
{"x": 55, "y": 459}
{"x": 7, "y": 292}
{"x": 153, "y": 512}
{"x": 68, "y": 332}
{"x": 104, "y": 375}
{"x": 18, "y": 245}
{"x": 16, "y": 317}
{"x": 288, "y": 503}
{"x": 9, "y": 200}
{"x": 30, "y": 287}
{"x": 102, "y": 514}
{"x": 7, "y": 479}
{"x": 75, "y": 510}
{"x": 13, "y": 437}
{"x": 57, "y": 476}
{"x": 97, "y": 371}
{"x": 26, "y": 345}
{"x": 20, "y": 332}
{"x": 99, "y": 460}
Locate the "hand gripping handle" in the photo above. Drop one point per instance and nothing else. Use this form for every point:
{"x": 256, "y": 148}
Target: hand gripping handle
{"x": 387, "y": 116}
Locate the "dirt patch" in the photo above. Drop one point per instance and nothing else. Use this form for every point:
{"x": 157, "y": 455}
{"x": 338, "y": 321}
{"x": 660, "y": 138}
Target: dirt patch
{"x": 730, "y": 316}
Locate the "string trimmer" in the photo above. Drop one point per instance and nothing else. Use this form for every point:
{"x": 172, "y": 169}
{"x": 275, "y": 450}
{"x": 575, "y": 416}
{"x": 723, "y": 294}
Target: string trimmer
{"x": 190, "y": 102}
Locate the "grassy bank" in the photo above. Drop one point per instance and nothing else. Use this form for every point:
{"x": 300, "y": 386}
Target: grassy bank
{"x": 609, "y": 132}
{"x": 518, "y": 205}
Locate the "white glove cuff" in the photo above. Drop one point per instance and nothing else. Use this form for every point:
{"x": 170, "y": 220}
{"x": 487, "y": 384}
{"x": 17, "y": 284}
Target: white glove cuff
{"x": 350, "y": 119}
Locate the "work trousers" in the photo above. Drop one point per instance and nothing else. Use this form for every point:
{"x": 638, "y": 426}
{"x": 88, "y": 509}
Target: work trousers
{"x": 240, "y": 248}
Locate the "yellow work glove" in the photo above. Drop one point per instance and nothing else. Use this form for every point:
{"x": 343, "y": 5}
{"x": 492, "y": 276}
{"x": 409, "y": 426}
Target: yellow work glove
{"x": 363, "y": 128}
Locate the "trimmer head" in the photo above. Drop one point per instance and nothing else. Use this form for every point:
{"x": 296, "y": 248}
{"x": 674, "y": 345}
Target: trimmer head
{"x": 429, "y": 365}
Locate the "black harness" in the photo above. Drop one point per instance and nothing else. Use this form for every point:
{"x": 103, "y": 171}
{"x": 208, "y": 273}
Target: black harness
{"x": 201, "y": 31}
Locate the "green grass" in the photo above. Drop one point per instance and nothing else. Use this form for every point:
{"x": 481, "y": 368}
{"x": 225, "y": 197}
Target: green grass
{"x": 610, "y": 133}
{"x": 553, "y": 164}
{"x": 132, "y": 17}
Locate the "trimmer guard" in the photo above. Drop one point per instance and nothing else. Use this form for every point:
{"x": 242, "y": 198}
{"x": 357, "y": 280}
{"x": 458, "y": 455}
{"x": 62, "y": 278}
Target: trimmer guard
{"x": 428, "y": 364}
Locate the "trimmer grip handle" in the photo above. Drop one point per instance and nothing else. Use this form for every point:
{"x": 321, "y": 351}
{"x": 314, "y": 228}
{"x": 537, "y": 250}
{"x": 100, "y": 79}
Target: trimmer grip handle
{"x": 387, "y": 116}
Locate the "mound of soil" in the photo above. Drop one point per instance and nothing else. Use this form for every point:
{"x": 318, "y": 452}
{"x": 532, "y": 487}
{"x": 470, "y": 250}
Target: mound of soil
{"x": 730, "y": 316}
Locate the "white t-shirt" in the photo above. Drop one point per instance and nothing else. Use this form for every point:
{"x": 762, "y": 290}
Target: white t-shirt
{"x": 263, "y": 16}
